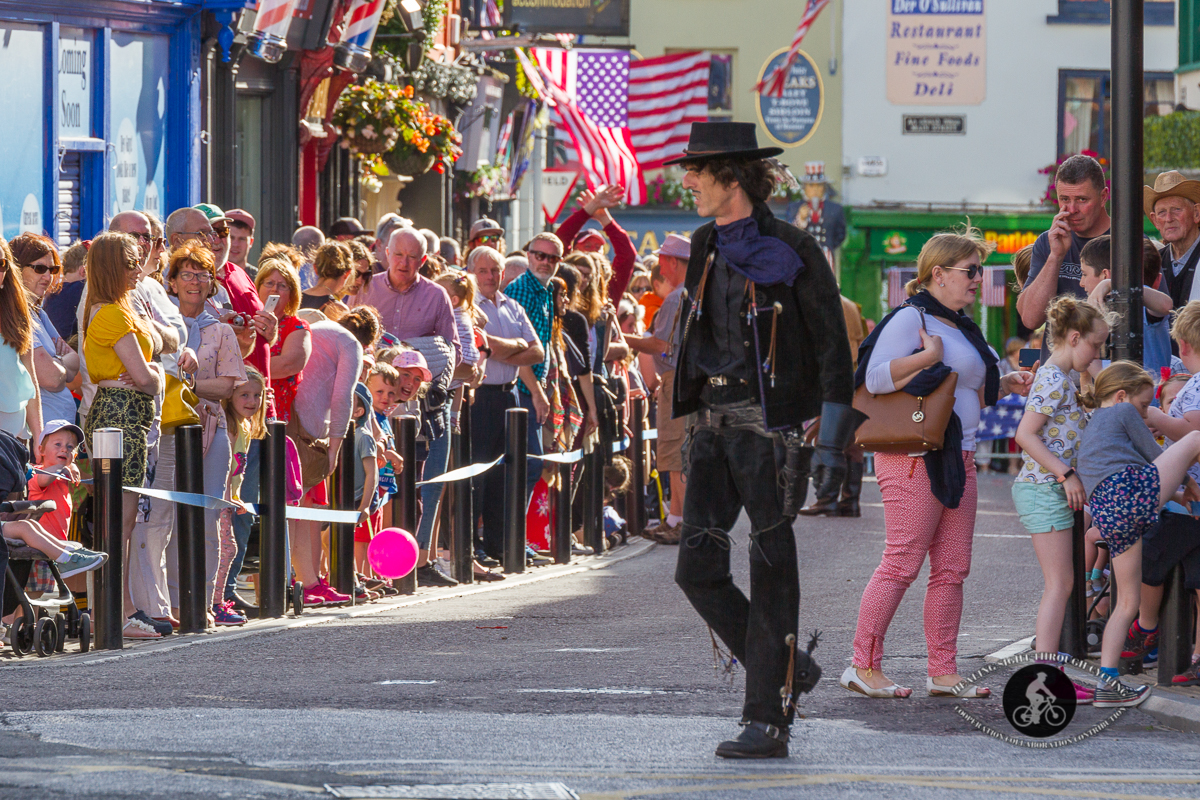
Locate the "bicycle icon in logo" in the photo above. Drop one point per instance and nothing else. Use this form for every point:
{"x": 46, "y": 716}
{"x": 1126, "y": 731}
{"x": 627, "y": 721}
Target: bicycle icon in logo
{"x": 1042, "y": 707}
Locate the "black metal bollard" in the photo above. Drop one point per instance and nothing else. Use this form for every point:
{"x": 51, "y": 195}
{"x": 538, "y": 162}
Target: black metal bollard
{"x": 341, "y": 535}
{"x": 1175, "y": 628}
{"x": 107, "y": 459}
{"x": 272, "y": 507}
{"x": 404, "y": 507}
{"x": 593, "y": 497}
{"x": 562, "y": 516}
{"x": 189, "y": 527}
{"x": 635, "y": 507}
{"x": 1074, "y": 630}
{"x": 461, "y": 541}
{"x": 516, "y": 468}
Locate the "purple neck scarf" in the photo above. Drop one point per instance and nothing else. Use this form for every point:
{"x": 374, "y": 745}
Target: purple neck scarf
{"x": 764, "y": 260}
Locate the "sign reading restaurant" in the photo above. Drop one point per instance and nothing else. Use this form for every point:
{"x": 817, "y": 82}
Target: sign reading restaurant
{"x": 936, "y": 52}
{"x": 591, "y": 17}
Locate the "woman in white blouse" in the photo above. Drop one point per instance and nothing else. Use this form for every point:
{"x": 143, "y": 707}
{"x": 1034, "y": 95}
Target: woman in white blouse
{"x": 929, "y": 507}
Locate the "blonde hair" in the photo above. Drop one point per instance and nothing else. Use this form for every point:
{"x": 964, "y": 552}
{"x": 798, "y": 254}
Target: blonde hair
{"x": 110, "y": 258}
{"x": 1125, "y": 376}
{"x": 946, "y": 250}
{"x": 1186, "y": 325}
{"x": 461, "y": 285}
{"x": 284, "y": 268}
{"x": 1022, "y": 260}
{"x": 257, "y": 423}
{"x": 1066, "y": 314}
{"x": 385, "y": 371}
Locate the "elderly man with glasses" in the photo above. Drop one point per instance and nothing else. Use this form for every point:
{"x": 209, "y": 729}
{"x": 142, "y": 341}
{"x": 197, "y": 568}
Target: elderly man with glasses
{"x": 532, "y": 292}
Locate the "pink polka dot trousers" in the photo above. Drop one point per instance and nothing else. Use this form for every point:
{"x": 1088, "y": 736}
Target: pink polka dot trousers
{"x": 917, "y": 524}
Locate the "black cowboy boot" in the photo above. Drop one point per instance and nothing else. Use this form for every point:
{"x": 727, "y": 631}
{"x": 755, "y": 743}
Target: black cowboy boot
{"x": 851, "y": 489}
{"x": 757, "y": 740}
{"x": 838, "y": 424}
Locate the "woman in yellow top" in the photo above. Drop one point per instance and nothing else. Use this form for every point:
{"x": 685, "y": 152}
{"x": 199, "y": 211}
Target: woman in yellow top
{"x": 117, "y": 347}
{"x": 20, "y": 406}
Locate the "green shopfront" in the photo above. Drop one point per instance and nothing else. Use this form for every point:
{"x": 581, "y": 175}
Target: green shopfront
{"x": 881, "y": 248}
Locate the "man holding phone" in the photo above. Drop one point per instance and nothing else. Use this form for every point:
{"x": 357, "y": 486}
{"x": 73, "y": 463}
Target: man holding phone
{"x": 1055, "y": 269}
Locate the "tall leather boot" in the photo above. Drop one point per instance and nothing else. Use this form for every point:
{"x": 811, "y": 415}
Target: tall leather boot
{"x": 851, "y": 489}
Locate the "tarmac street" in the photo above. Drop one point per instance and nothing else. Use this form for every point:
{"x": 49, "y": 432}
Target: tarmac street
{"x": 600, "y": 681}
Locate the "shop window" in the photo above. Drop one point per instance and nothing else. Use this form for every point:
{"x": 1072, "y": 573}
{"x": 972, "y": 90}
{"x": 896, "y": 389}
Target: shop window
{"x": 138, "y": 121}
{"x": 21, "y": 129}
{"x": 720, "y": 87}
{"x": 1085, "y": 107}
{"x": 1097, "y": 12}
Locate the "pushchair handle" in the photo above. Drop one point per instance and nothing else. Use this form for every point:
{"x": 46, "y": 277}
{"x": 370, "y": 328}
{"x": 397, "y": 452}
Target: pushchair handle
{"x": 13, "y": 510}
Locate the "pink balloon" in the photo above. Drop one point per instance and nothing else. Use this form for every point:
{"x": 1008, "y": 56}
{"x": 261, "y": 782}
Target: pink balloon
{"x": 392, "y": 553}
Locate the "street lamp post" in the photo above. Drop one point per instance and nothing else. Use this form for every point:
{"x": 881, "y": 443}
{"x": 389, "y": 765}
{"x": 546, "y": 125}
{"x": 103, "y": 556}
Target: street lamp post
{"x": 1127, "y": 110}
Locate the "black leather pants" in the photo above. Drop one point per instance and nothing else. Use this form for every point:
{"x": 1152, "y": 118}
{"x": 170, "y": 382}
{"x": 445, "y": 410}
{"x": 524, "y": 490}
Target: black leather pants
{"x": 731, "y": 468}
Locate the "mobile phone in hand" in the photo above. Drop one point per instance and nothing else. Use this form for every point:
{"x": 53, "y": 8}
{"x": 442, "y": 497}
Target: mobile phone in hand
{"x": 1028, "y": 356}
{"x": 272, "y": 302}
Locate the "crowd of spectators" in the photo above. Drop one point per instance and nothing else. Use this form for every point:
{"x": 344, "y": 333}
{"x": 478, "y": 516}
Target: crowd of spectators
{"x": 153, "y": 324}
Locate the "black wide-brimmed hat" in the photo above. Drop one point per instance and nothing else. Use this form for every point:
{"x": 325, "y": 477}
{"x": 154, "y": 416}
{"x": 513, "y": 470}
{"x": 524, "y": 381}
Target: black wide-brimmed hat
{"x": 723, "y": 140}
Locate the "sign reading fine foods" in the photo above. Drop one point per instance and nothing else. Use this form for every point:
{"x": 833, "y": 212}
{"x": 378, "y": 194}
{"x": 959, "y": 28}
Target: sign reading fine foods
{"x": 792, "y": 118}
{"x": 936, "y": 52}
{"x": 592, "y": 17}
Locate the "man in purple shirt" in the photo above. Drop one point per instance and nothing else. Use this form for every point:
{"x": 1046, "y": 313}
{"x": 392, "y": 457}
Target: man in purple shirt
{"x": 410, "y": 306}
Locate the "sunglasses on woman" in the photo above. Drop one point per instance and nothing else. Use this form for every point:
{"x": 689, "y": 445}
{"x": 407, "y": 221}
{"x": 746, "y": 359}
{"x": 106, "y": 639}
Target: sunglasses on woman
{"x": 42, "y": 269}
{"x": 973, "y": 271}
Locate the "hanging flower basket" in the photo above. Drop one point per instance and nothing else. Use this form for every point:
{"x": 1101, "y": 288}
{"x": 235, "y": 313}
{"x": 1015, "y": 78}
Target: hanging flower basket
{"x": 403, "y": 161}
{"x": 365, "y": 141}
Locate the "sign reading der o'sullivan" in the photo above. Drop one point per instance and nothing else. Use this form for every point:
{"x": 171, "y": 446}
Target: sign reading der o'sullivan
{"x": 936, "y": 52}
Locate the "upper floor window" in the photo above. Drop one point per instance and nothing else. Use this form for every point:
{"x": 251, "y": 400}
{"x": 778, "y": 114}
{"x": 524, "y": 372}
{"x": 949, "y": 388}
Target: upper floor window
{"x": 1085, "y": 106}
{"x": 1096, "y": 12}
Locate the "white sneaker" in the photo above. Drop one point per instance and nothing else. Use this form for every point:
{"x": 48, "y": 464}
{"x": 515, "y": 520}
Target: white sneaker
{"x": 136, "y": 629}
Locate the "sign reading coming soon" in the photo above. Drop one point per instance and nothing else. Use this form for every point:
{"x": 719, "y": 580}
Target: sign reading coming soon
{"x": 936, "y": 52}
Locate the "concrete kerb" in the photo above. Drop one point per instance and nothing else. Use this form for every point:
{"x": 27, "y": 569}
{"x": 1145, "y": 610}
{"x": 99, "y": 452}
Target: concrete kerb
{"x": 317, "y": 616}
{"x": 1167, "y": 705}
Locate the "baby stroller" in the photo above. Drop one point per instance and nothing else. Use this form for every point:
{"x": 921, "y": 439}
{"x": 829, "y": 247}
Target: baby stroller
{"x": 44, "y": 630}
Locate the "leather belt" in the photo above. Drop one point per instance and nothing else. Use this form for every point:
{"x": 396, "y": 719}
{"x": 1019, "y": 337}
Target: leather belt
{"x": 498, "y": 387}
{"x": 741, "y": 415}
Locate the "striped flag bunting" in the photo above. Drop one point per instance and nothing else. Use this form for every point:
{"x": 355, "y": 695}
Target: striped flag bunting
{"x": 666, "y": 95}
{"x": 772, "y": 85}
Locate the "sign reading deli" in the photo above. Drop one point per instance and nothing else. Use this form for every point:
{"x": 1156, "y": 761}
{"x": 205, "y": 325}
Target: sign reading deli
{"x": 592, "y": 17}
{"x": 936, "y": 52}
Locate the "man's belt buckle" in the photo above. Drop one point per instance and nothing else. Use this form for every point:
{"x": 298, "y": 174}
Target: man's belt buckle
{"x": 719, "y": 380}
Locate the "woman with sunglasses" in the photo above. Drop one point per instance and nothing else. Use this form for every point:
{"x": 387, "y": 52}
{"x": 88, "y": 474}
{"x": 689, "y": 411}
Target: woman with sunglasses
{"x": 360, "y": 279}
{"x": 929, "y": 499}
{"x": 57, "y": 364}
{"x": 20, "y": 407}
{"x": 118, "y": 348}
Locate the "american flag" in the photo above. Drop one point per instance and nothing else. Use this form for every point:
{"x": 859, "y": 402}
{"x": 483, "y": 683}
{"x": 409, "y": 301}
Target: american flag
{"x": 1000, "y": 421}
{"x": 492, "y": 18}
{"x": 898, "y": 278}
{"x": 666, "y": 95}
{"x": 994, "y": 280}
{"x": 773, "y": 84}
{"x": 590, "y": 94}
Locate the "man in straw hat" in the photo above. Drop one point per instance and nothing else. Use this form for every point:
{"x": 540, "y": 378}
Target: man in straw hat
{"x": 1172, "y": 206}
{"x": 763, "y": 348}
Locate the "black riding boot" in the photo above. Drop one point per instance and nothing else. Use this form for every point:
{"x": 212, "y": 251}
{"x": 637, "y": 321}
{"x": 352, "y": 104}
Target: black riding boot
{"x": 851, "y": 489}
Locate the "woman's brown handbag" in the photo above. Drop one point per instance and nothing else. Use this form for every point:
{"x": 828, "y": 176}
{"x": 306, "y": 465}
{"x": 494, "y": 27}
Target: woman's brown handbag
{"x": 899, "y": 422}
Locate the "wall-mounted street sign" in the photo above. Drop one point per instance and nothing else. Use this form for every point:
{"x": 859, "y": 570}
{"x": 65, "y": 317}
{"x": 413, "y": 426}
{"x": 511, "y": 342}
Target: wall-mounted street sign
{"x": 791, "y": 119}
{"x": 592, "y": 17}
{"x": 954, "y": 124}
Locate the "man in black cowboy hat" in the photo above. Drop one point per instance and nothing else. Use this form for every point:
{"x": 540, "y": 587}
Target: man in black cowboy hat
{"x": 763, "y": 349}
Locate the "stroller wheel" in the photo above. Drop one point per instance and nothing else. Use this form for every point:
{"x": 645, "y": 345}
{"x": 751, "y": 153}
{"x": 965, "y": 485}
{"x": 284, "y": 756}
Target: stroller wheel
{"x": 72, "y": 620}
{"x": 60, "y": 630}
{"x": 45, "y": 637}
{"x": 85, "y": 632}
{"x": 298, "y": 598}
{"x": 22, "y": 638}
{"x": 1094, "y": 634}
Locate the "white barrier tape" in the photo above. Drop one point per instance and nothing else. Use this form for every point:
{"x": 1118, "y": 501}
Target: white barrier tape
{"x": 650, "y": 434}
{"x": 60, "y": 476}
{"x": 185, "y": 498}
{"x": 561, "y": 458}
{"x": 462, "y": 473}
{"x": 321, "y": 515}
